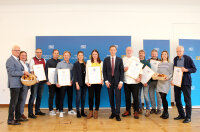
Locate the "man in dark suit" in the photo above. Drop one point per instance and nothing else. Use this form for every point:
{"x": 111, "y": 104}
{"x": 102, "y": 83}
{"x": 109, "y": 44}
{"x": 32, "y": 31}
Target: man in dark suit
{"x": 188, "y": 67}
{"x": 113, "y": 72}
{"x": 15, "y": 70}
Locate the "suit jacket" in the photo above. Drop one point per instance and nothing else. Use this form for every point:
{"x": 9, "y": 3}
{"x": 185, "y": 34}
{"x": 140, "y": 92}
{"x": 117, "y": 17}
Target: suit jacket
{"x": 77, "y": 73}
{"x": 188, "y": 64}
{"x": 118, "y": 70}
{"x": 15, "y": 71}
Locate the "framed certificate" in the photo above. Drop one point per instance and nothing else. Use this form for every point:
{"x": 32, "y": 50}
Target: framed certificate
{"x": 154, "y": 65}
{"x": 51, "y": 74}
{"x": 147, "y": 74}
{"x": 64, "y": 77}
{"x": 177, "y": 76}
{"x": 134, "y": 69}
{"x": 94, "y": 75}
{"x": 39, "y": 72}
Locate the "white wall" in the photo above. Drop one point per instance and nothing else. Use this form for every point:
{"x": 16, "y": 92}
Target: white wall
{"x": 21, "y": 22}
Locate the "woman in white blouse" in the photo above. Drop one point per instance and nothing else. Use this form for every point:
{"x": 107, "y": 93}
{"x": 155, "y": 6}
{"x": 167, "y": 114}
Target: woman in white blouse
{"x": 23, "y": 61}
{"x": 94, "y": 89}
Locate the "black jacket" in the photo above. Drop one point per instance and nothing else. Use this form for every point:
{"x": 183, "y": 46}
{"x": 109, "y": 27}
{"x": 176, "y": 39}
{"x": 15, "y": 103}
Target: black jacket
{"x": 188, "y": 64}
{"x": 77, "y": 73}
{"x": 118, "y": 71}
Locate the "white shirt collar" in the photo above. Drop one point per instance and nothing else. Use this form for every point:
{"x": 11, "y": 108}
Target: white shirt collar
{"x": 15, "y": 57}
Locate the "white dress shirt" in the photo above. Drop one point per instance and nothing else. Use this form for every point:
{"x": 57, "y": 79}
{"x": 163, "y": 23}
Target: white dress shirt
{"x": 126, "y": 62}
{"x": 24, "y": 65}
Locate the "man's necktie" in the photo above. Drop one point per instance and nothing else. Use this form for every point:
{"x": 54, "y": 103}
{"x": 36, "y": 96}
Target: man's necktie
{"x": 112, "y": 66}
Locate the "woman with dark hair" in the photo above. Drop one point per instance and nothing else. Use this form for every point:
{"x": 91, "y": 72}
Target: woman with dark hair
{"x": 165, "y": 67}
{"x": 79, "y": 80}
{"x": 94, "y": 89}
{"x": 23, "y": 61}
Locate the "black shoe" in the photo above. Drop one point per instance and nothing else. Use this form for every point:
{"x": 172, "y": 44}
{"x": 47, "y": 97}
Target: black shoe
{"x": 187, "y": 120}
{"x": 83, "y": 114}
{"x": 112, "y": 116}
{"x": 118, "y": 118}
{"x": 32, "y": 116}
{"x": 78, "y": 114}
{"x": 162, "y": 114}
{"x": 158, "y": 112}
{"x": 179, "y": 117}
{"x": 13, "y": 122}
{"x": 20, "y": 120}
{"x": 40, "y": 113}
{"x": 153, "y": 111}
{"x": 166, "y": 115}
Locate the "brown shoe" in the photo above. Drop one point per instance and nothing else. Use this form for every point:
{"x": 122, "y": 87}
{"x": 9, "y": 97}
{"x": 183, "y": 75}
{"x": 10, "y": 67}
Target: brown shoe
{"x": 127, "y": 113}
{"x": 24, "y": 117}
{"x": 90, "y": 114}
{"x": 136, "y": 116}
{"x": 96, "y": 114}
{"x": 140, "y": 111}
{"x": 147, "y": 114}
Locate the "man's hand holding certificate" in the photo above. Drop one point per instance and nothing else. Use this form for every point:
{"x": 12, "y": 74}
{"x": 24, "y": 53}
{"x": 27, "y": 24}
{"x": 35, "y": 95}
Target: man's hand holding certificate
{"x": 177, "y": 76}
{"x": 64, "y": 77}
{"x": 134, "y": 69}
{"x": 39, "y": 72}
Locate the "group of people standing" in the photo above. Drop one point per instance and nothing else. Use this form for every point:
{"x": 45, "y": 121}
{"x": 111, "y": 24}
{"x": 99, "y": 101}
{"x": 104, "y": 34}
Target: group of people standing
{"x": 113, "y": 74}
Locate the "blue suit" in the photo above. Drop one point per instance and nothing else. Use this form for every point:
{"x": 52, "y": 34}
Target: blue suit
{"x": 15, "y": 71}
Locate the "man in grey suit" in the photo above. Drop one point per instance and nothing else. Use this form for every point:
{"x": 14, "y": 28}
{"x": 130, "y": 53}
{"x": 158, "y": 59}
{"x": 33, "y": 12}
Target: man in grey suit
{"x": 15, "y": 70}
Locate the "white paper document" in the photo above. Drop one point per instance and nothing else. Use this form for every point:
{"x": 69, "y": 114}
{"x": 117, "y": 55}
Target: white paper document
{"x": 51, "y": 75}
{"x": 134, "y": 69}
{"x": 177, "y": 76}
{"x": 39, "y": 72}
{"x": 154, "y": 65}
{"x": 147, "y": 74}
{"x": 64, "y": 77}
{"x": 94, "y": 74}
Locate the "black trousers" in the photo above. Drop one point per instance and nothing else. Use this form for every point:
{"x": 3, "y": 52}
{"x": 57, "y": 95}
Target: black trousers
{"x": 187, "y": 98}
{"x": 52, "y": 90}
{"x": 58, "y": 98}
{"x": 15, "y": 101}
{"x": 134, "y": 89}
{"x": 69, "y": 90}
{"x": 164, "y": 101}
{"x": 95, "y": 89}
{"x": 113, "y": 91}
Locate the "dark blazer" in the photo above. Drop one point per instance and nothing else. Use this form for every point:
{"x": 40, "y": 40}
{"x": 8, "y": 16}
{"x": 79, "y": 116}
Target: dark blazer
{"x": 118, "y": 70}
{"x": 77, "y": 73}
{"x": 188, "y": 64}
{"x": 15, "y": 71}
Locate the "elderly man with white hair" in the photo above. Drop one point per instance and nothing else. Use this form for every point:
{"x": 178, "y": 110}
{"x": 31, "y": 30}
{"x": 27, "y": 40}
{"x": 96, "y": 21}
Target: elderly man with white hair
{"x": 188, "y": 67}
{"x": 15, "y": 70}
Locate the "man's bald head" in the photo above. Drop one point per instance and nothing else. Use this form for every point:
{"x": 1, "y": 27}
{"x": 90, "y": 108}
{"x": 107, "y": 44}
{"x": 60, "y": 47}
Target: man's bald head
{"x": 180, "y": 51}
{"x": 129, "y": 51}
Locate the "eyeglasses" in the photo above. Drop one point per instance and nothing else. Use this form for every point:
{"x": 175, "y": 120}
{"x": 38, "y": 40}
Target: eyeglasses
{"x": 17, "y": 50}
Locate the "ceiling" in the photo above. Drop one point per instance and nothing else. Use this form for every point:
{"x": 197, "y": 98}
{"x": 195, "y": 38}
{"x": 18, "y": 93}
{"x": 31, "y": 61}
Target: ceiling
{"x": 100, "y": 2}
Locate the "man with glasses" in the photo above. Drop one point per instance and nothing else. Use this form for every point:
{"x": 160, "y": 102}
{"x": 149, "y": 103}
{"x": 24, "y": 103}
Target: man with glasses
{"x": 15, "y": 70}
{"x": 37, "y": 89}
